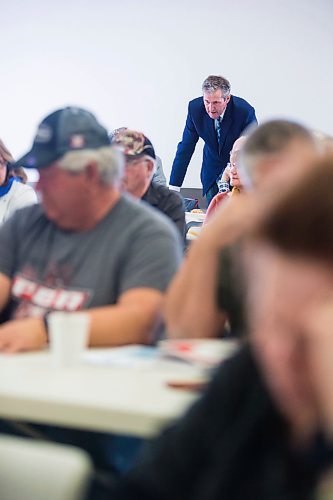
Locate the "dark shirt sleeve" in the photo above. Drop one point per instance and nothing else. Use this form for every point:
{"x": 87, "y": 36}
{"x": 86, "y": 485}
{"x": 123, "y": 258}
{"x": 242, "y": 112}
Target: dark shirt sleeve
{"x": 169, "y": 203}
{"x": 176, "y": 211}
{"x": 184, "y": 152}
{"x": 179, "y": 462}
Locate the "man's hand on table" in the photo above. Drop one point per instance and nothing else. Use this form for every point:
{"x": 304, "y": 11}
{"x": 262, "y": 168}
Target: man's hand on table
{"x": 26, "y": 334}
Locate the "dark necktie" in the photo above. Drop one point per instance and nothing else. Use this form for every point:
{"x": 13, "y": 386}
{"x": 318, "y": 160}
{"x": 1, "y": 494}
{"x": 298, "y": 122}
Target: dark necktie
{"x": 218, "y": 129}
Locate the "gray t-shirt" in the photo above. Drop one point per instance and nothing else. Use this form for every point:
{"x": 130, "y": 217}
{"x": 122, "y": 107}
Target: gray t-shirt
{"x": 53, "y": 269}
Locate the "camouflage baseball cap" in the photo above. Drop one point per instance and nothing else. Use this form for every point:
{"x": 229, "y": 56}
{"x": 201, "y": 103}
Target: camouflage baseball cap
{"x": 133, "y": 144}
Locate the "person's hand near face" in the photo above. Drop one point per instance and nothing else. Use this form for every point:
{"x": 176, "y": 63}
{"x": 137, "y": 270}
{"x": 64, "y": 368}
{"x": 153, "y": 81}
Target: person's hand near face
{"x": 226, "y": 174}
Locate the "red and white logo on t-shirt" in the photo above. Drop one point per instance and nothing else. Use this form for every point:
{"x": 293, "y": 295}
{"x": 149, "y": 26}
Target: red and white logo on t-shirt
{"x": 35, "y": 297}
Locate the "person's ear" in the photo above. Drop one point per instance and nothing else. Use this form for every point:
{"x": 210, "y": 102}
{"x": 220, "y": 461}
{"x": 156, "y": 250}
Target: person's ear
{"x": 150, "y": 166}
{"x": 227, "y": 99}
{"x": 91, "y": 172}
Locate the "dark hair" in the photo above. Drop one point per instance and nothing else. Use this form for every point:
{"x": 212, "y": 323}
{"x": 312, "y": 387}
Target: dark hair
{"x": 301, "y": 222}
{"x": 19, "y": 172}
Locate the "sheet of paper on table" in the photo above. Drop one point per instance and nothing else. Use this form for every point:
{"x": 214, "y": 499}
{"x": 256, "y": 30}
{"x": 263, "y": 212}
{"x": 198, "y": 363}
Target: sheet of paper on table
{"x": 202, "y": 353}
{"x": 206, "y": 353}
{"x": 131, "y": 356}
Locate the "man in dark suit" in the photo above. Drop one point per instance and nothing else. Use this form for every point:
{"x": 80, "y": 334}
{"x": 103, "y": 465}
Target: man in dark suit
{"x": 219, "y": 119}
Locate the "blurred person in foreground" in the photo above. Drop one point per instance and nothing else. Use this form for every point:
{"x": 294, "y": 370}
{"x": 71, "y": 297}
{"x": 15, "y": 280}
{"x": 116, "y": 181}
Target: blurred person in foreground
{"x": 14, "y": 193}
{"x": 138, "y": 178}
{"x": 264, "y": 427}
{"x": 86, "y": 246}
{"x": 207, "y": 290}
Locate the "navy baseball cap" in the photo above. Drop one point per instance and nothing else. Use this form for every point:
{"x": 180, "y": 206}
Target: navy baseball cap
{"x": 67, "y": 129}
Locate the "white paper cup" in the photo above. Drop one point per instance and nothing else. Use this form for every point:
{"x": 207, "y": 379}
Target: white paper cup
{"x": 68, "y": 333}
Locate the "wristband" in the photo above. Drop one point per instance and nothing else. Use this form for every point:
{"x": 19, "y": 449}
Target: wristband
{"x": 46, "y": 325}
{"x": 223, "y": 187}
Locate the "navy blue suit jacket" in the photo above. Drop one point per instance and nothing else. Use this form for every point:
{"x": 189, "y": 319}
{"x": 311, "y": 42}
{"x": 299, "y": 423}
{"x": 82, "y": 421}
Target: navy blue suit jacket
{"x": 238, "y": 115}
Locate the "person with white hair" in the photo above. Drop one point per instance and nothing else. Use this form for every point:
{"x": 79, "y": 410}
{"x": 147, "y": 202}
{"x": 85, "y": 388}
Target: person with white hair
{"x": 86, "y": 246}
{"x": 229, "y": 179}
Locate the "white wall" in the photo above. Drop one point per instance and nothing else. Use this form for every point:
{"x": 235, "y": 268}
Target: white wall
{"x": 138, "y": 63}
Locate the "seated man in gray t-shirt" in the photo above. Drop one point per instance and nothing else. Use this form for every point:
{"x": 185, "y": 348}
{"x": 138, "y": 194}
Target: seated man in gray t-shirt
{"x": 86, "y": 246}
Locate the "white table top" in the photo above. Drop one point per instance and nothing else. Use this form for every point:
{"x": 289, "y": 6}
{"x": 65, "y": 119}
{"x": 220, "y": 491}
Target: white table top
{"x": 132, "y": 400}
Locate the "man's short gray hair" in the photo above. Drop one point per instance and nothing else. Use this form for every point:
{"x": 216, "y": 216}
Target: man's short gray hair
{"x": 269, "y": 139}
{"x": 109, "y": 161}
{"x": 213, "y": 83}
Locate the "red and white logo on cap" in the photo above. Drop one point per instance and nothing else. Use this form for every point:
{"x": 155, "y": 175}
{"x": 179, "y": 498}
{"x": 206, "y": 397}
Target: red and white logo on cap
{"x": 77, "y": 141}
